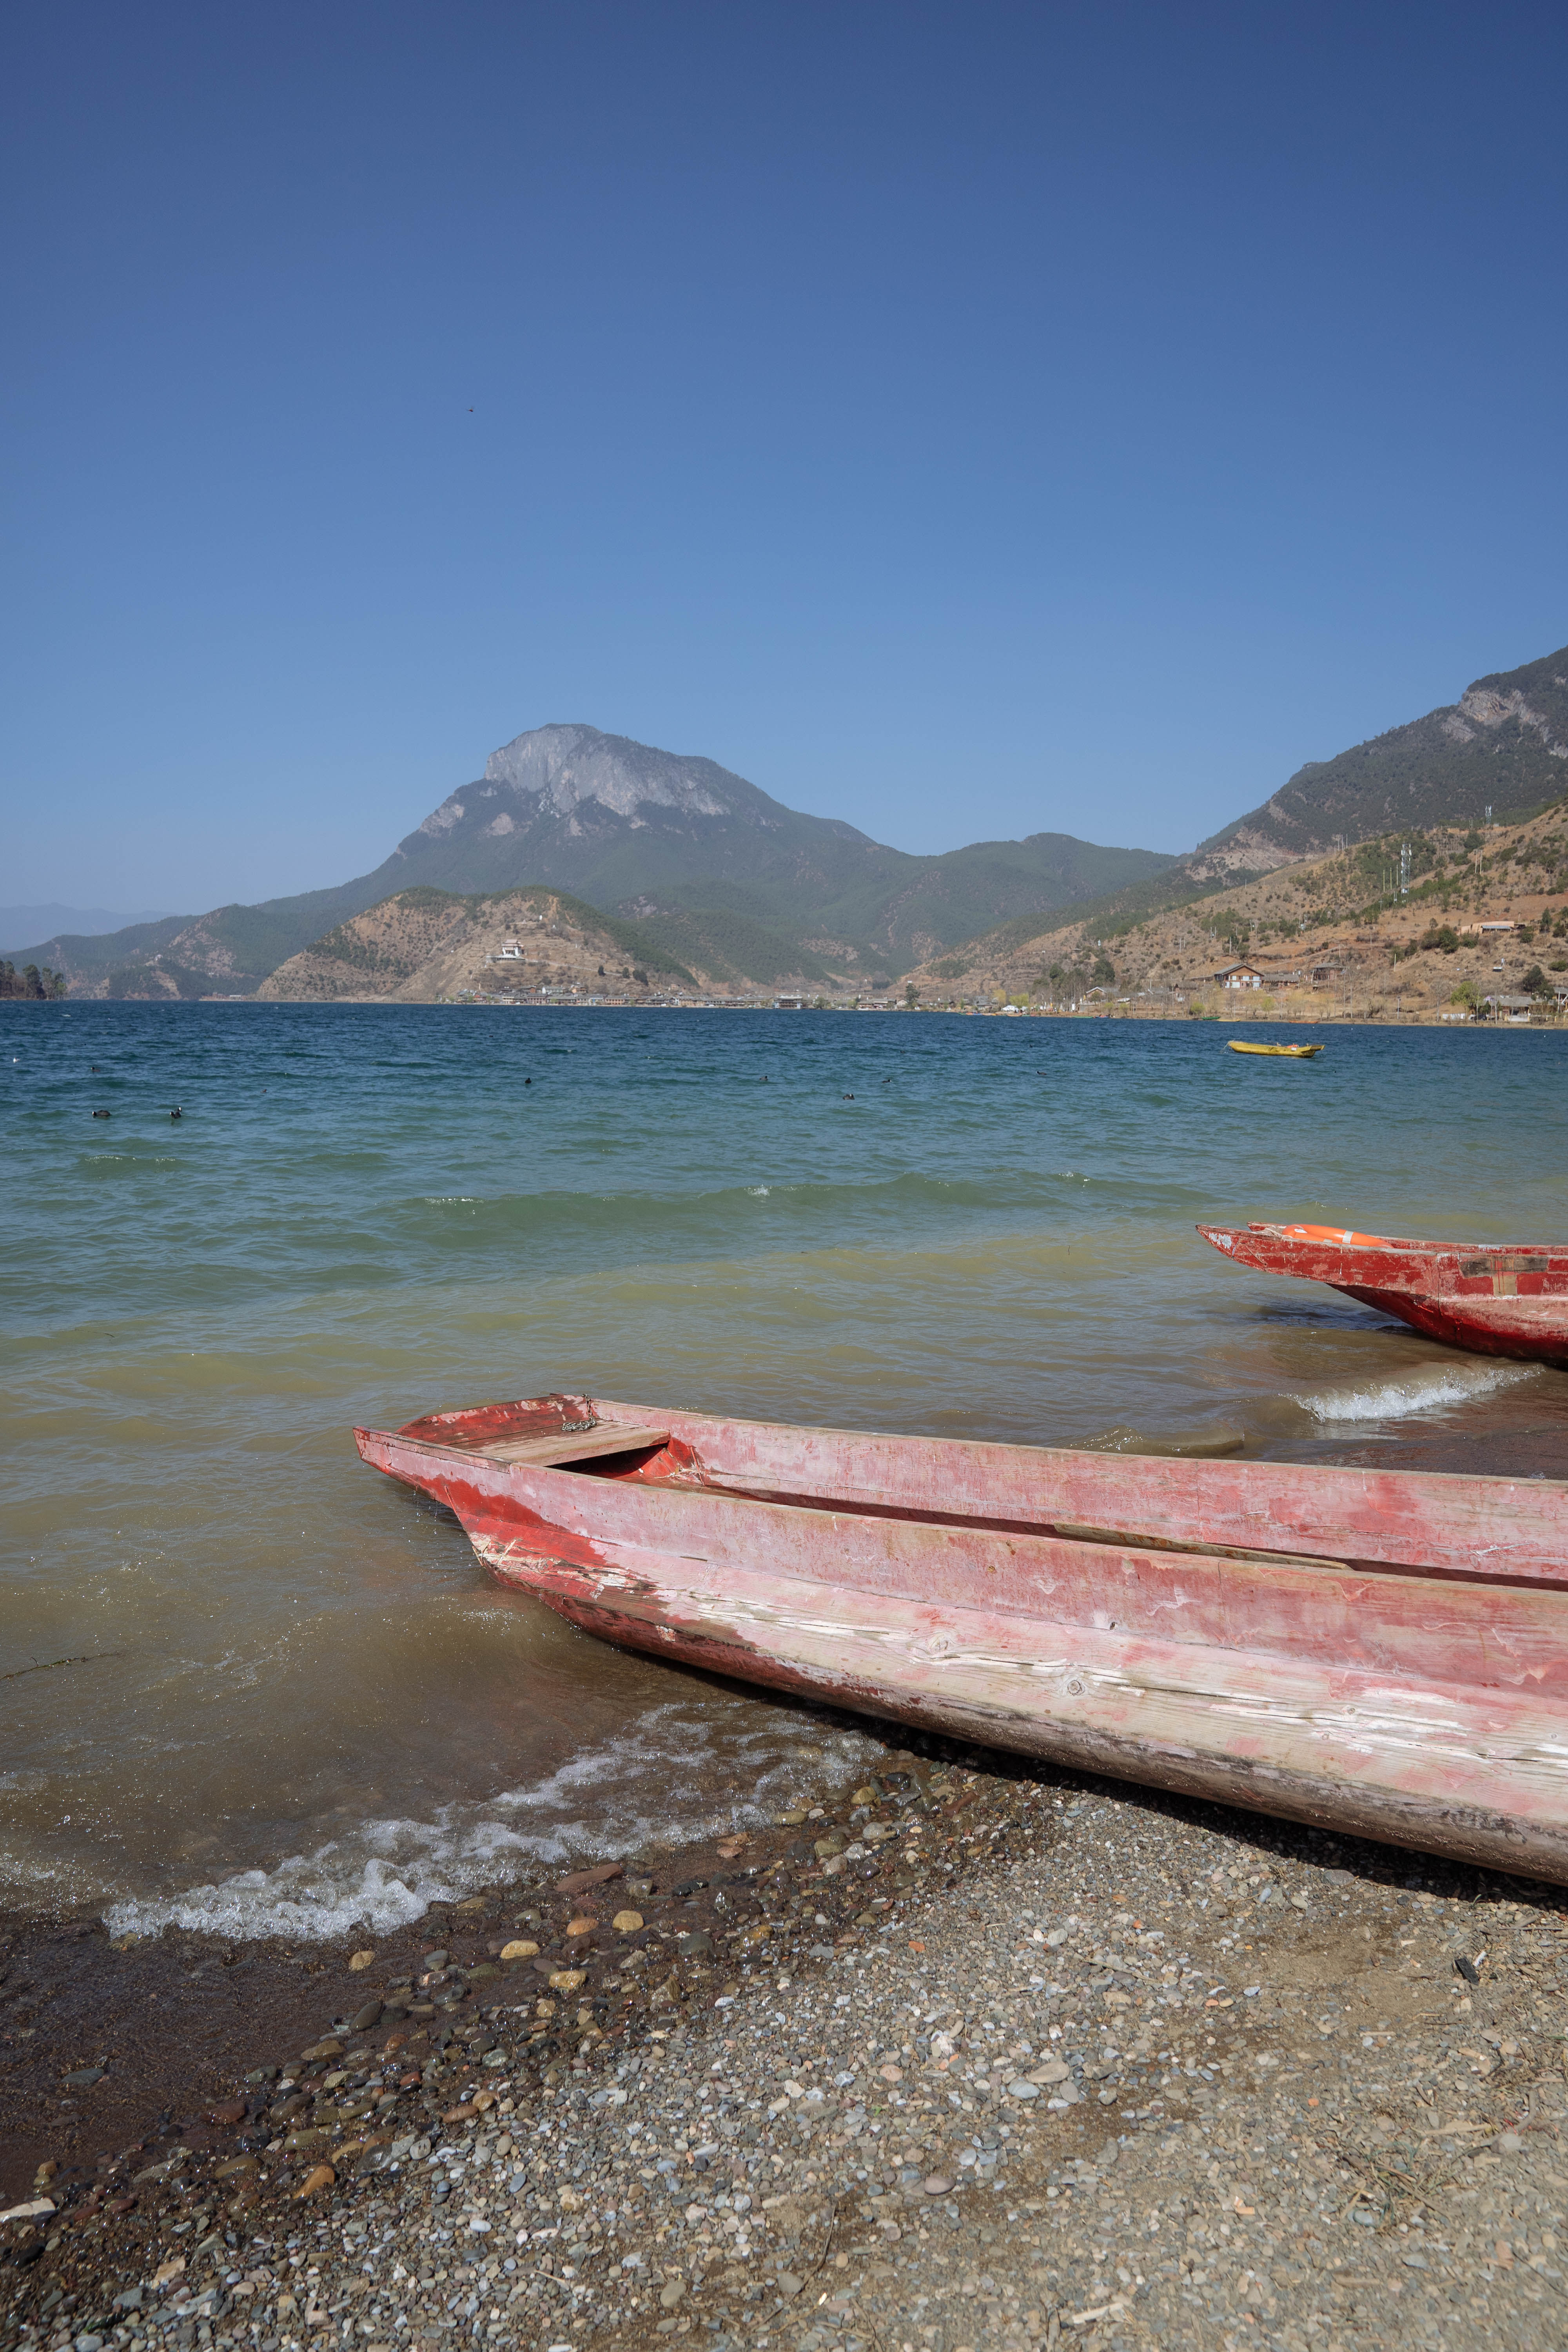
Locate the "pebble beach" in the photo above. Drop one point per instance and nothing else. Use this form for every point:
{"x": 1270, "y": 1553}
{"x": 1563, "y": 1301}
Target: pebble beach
{"x": 970, "y": 2055}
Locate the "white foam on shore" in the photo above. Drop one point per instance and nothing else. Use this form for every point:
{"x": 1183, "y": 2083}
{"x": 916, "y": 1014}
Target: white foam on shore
{"x": 1426, "y": 1389}
{"x": 619, "y": 1800}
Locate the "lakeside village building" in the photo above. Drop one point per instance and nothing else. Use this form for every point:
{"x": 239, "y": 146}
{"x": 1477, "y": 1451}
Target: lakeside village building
{"x": 1247, "y": 975}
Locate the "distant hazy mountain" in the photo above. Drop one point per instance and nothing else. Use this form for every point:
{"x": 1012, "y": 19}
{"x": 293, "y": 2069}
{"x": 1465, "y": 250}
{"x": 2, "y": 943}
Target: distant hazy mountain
{"x": 1504, "y": 744}
{"x": 226, "y": 952}
{"x": 707, "y": 866}
{"x": 32, "y": 923}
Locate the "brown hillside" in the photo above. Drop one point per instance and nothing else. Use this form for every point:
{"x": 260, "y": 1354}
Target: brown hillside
{"x": 1334, "y": 934}
{"x": 425, "y": 946}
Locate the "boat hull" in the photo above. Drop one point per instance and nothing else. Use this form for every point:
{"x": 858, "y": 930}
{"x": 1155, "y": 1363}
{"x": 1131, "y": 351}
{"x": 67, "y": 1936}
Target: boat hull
{"x": 1425, "y": 1704}
{"x": 1493, "y": 1300}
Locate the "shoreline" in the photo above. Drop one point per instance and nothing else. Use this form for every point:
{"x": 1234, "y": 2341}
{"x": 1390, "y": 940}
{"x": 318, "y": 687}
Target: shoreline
{"x": 1551, "y": 1023}
{"x": 1083, "y": 1992}
{"x": 227, "y": 2008}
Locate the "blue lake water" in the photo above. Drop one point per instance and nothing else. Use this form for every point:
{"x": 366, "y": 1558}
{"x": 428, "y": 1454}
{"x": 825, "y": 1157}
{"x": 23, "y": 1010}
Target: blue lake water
{"x": 293, "y": 1700}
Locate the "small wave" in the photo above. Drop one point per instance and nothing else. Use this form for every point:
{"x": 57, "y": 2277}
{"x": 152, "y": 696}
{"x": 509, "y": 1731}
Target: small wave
{"x": 759, "y": 1191}
{"x": 1425, "y": 1390}
{"x": 1212, "y": 1440}
{"x": 601, "y": 1806}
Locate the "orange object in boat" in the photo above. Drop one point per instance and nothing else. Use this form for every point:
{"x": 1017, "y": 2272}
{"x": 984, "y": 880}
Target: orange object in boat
{"x": 1336, "y": 1235}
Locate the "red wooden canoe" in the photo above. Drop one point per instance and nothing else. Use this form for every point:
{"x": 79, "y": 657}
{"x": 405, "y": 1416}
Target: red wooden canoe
{"x": 1498, "y": 1298}
{"x": 1380, "y": 1651}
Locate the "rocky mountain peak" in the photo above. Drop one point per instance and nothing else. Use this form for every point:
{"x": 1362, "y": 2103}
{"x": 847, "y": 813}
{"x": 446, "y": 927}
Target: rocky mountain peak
{"x": 559, "y": 767}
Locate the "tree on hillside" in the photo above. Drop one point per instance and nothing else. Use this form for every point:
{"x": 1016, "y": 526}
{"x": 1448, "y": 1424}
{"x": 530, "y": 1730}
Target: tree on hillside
{"x": 32, "y": 983}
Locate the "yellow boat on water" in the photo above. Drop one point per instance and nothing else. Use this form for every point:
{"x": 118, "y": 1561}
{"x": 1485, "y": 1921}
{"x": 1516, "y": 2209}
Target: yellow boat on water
{"x": 1291, "y": 1053}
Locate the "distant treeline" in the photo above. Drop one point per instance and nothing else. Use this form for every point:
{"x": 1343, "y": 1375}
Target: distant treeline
{"x": 31, "y": 982}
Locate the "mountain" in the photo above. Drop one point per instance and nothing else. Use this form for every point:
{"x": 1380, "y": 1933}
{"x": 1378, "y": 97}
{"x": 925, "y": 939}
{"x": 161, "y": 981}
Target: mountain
{"x": 1503, "y": 745}
{"x": 1357, "y": 924}
{"x": 724, "y": 880}
{"x": 713, "y": 870}
{"x": 421, "y": 946}
{"x": 32, "y": 923}
{"x": 227, "y": 952}
{"x": 662, "y": 838}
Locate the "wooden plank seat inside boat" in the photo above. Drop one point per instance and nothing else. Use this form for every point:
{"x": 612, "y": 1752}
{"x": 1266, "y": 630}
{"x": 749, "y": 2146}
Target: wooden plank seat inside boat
{"x": 573, "y": 1445}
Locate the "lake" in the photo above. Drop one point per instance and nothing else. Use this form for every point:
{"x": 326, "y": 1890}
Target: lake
{"x": 252, "y": 1685}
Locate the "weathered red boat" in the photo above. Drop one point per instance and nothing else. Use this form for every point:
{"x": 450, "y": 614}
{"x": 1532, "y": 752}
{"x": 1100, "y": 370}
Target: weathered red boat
{"x": 1384, "y": 1652}
{"x": 1498, "y": 1298}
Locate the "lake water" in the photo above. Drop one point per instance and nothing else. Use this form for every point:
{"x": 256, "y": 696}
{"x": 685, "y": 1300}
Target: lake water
{"x": 290, "y": 1699}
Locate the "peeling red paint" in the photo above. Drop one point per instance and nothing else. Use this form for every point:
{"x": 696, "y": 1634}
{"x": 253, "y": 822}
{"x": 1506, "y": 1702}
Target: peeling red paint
{"x": 1380, "y": 1651}
{"x": 1502, "y": 1300}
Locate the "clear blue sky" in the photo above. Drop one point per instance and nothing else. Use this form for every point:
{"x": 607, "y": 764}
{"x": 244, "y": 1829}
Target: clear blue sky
{"x": 965, "y": 420}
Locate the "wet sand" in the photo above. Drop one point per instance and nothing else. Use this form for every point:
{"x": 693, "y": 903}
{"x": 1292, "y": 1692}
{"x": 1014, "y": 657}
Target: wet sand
{"x": 173, "y": 2023}
{"x": 1028, "y": 2058}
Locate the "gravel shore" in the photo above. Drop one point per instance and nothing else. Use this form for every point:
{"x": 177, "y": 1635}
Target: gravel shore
{"x": 977, "y": 2056}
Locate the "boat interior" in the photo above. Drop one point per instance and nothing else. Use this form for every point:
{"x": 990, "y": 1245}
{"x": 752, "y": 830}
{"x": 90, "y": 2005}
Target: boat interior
{"x": 1282, "y": 1515}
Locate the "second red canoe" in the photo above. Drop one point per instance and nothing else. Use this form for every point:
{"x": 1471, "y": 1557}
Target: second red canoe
{"x": 1498, "y": 1298}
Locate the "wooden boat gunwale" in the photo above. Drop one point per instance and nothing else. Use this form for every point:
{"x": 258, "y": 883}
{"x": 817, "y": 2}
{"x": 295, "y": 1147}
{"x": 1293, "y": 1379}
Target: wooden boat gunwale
{"x": 1432, "y": 1523}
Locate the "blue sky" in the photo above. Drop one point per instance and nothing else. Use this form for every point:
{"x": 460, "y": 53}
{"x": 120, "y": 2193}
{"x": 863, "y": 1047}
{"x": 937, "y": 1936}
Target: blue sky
{"x": 964, "y": 420}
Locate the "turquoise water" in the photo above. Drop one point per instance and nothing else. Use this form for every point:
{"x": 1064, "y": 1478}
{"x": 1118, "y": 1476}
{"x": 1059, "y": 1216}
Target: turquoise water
{"x": 293, "y": 1700}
